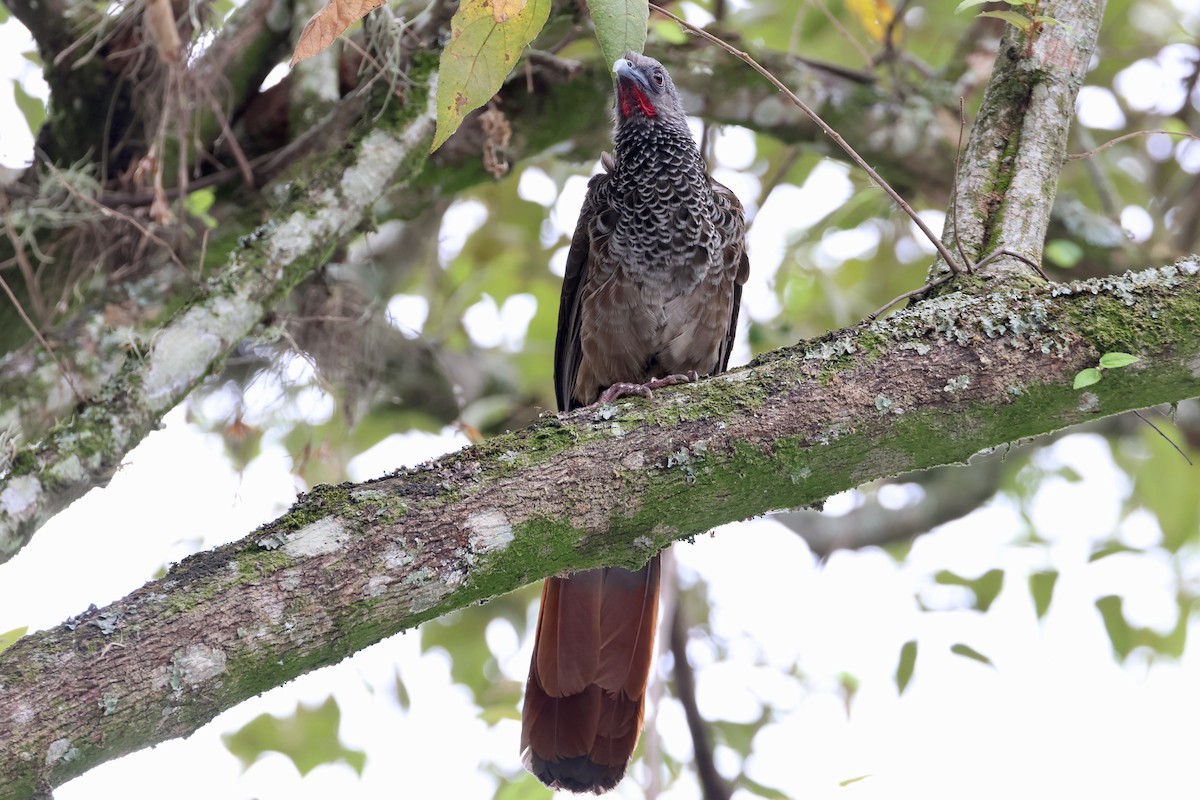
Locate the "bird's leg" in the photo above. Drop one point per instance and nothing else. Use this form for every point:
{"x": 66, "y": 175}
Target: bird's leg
{"x": 619, "y": 390}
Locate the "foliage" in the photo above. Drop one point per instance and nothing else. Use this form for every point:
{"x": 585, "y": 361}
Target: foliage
{"x": 486, "y": 40}
{"x": 8, "y": 637}
{"x": 450, "y": 307}
{"x": 309, "y": 737}
{"x": 1092, "y": 375}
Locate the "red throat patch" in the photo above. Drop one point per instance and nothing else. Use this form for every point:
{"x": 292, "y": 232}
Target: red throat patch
{"x": 631, "y": 96}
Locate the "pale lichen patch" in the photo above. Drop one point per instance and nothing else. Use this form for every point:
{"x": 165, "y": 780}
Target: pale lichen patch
{"x": 184, "y": 352}
{"x": 326, "y": 535}
{"x": 425, "y": 589}
{"x": 69, "y": 470}
{"x": 379, "y": 154}
{"x": 396, "y": 557}
{"x": 488, "y": 531}
{"x": 376, "y": 585}
{"x": 21, "y": 495}
{"x": 196, "y": 664}
{"x": 290, "y": 580}
{"x": 60, "y": 750}
{"x": 22, "y": 714}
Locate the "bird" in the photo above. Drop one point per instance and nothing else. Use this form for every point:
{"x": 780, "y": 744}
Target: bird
{"x": 650, "y": 298}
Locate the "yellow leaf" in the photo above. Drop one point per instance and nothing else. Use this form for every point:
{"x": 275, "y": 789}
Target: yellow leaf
{"x": 328, "y": 24}
{"x": 8, "y": 637}
{"x": 504, "y": 10}
{"x": 874, "y": 15}
{"x": 486, "y": 39}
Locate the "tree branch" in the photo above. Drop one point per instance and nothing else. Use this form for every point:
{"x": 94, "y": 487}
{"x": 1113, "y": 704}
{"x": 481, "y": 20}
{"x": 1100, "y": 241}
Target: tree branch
{"x": 712, "y": 785}
{"x": 82, "y": 452}
{"x": 352, "y": 564}
{"x": 562, "y": 108}
{"x": 1011, "y": 167}
{"x": 950, "y": 493}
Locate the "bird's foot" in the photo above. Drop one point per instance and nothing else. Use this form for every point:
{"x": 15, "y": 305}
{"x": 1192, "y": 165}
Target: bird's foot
{"x": 646, "y": 390}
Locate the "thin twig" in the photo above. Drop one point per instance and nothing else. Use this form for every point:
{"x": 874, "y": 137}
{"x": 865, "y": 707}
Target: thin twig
{"x": 907, "y": 295}
{"x": 992, "y": 256}
{"x": 824, "y": 126}
{"x": 1163, "y": 435}
{"x": 712, "y": 785}
{"x": 1119, "y": 139}
{"x": 27, "y": 272}
{"x": 843, "y": 30}
{"x": 37, "y": 334}
{"x": 113, "y": 213}
{"x": 239, "y": 155}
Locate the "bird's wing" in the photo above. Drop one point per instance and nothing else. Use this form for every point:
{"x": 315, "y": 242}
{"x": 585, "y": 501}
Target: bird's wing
{"x": 567, "y": 346}
{"x": 731, "y": 222}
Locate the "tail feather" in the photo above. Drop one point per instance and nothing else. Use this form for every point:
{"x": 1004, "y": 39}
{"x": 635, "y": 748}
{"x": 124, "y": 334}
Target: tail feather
{"x": 587, "y": 681}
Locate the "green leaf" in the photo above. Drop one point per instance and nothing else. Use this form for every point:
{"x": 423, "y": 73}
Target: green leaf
{"x": 1163, "y": 484}
{"x": 965, "y": 4}
{"x": 199, "y": 203}
{"x": 620, "y": 26}
{"x": 1063, "y": 253}
{"x": 463, "y": 635}
{"x": 668, "y": 30}
{"x": 8, "y": 637}
{"x": 402, "y": 696}
{"x": 1041, "y": 586}
{"x": 3, "y": 13}
{"x": 908, "y": 661}
{"x": 970, "y": 652}
{"x": 1011, "y": 17}
{"x": 1119, "y": 632}
{"x": 1117, "y": 360}
{"x": 1125, "y": 638}
{"x": 1046, "y": 20}
{"x": 525, "y": 787}
{"x": 985, "y": 587}
{"x": 486, "y": 39}
{"x": 1111, "y": 549}
{"x": 32, "y": 108}
{"x": 849, "y": 781}
{"x": 761, "y": 790}
{"x": 1086, "y": 377}
{"x": 309, "y": 737}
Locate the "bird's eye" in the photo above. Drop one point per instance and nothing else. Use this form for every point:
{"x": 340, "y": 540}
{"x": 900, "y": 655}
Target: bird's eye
{"x": 658, "y": 79}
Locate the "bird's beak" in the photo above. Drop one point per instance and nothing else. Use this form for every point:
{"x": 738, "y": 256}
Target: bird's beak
{"x": 625, "y": 69}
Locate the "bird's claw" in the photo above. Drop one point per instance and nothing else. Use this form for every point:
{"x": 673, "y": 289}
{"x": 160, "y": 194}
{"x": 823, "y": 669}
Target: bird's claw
{"x": 646, "y": 390}
{"x": 619, "y": 390}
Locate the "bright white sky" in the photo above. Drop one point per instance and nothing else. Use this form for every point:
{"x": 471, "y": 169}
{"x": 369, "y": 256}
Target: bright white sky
{"x": 1054, "y": 717}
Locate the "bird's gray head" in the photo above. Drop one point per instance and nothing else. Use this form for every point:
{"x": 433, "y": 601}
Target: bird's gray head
{"x": 645, "y": 91}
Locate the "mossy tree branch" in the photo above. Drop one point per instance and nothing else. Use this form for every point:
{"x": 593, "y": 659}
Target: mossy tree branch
{"x": 259, "y": 270}
{"x": 1010, "y": 171}
{"x": 563, "y": 108}
{"x": 352, "y": 564}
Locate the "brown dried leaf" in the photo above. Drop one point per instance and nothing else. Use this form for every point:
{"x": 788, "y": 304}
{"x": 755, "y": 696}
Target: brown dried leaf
{"x": 328, "y": 24}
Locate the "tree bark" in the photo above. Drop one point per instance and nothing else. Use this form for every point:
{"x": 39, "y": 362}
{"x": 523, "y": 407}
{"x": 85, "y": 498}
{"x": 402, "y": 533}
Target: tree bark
{"x": 349, "y": 565}
{"x": 352, "y": 564}
{"x": 262, "y": 268}
{"x": 1010, "y": 171}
